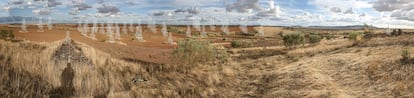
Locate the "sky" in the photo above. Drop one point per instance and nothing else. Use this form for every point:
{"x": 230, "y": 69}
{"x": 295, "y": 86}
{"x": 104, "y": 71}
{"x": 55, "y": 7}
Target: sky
{"x": 380, "y": 13}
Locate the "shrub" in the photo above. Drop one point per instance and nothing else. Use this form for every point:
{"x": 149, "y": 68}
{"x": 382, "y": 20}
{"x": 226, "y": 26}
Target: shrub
{"x": 353, "y": 35}
{"x": 293, "y": 39}
{"x": 314, "y": 38}
{"x": 240, "y": 44}
{"x": 6, "y": 35}
{"x": 358, "y": 37}
{"x": 405, "y": 54}
{"x": 192, "y": 52}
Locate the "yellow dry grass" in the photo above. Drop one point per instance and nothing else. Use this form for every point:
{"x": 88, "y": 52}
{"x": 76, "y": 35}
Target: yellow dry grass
{"x": 117, "y": 78}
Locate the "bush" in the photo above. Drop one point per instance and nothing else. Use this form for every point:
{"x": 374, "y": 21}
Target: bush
{"x": 314, "y": 38}
{"x": 191, "y": 52}
{"x": 293, "y": 39}
{"x": 6, "y": 35}
{"x": 405, "y": 54}
{"x": 240, "y": 44}
{"x": 358, "y": 37}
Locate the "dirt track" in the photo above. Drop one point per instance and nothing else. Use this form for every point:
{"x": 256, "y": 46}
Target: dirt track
{"x": 339, "y": 73}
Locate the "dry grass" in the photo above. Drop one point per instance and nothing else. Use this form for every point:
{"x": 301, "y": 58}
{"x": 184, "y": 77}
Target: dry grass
{"x": 112, "y": 77}
{"x": 324, "y": 46}
{"x": 334, "y": 68}
{"x": 107, "y": 76}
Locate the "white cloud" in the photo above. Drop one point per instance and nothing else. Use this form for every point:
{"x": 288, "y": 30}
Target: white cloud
{"x": 391, "y": 5}
{"x": 336, "y": 10}
{"x": 244, "y": 6}
{"x": 343, "y": 4}
{"x": 349, "y": 11}
{"x": 42, "y": 11}
{"x": 400, "y": 9}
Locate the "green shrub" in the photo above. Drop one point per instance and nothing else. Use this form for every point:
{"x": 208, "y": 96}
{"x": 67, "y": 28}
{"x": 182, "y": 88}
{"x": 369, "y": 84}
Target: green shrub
{"x": 314, "y": 38}
{"x": 190, "y": 53}
{"x": 405, "y": 54}
{"x": 353, "y": 35}
{"x": 240, "y": 44}
{"x": 6, "y": 35}
{"x": 293, "y": 39}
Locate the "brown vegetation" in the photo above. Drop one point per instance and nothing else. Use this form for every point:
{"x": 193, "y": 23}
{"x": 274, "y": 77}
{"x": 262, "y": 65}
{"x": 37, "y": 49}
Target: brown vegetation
{"x": 336, "y": 68}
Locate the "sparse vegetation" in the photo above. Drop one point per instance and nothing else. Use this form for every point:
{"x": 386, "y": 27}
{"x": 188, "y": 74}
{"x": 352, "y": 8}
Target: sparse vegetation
{"x": 405, "y": 56}
{"x": 314, "y": 38}
{"x": 6, "y": 35}
{"x": 356, "y": 36}
{"x": 241, "y": 44}
{"x": 293, "y": 39}
{"x": 190, "y": 53}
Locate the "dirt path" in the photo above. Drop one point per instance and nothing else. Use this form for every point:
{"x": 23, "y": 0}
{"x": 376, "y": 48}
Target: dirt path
{"x": 282, "y": 76}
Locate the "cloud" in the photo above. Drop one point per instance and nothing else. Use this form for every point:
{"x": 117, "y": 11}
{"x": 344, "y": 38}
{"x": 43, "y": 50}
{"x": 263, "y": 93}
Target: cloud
{"x": 193, "y": 10}
{"x": 180, "y": 11}
{"x": 42, "y": 11}
{"x": 17, "y": 2}
{"x": 272, "y": 11}
{"x": 390, "y": 5}
{"x": 244, "y": 6}
{"x": 336, "y": 10}
{"x": 188, "y": 18}
{"x": 161, "y": 13}
{"x": 74, "y": 12}
{"x": 362, "y": 15}
{"x": 81, "y": 6}
{"x": 349, "y": 11}
{"x": 6, "y": 8}
{"x": 132, "y": 3}
{"x": 53, "y": 3}
{"x": 356, "y": 4}
{"x": 108, "y": 9}
{"x": 400, "y": 9}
